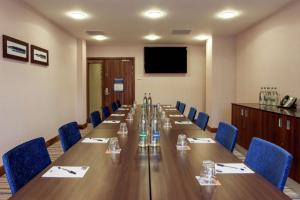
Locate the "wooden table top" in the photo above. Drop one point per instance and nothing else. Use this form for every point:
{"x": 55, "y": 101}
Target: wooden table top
{"x": 136, "y": 173}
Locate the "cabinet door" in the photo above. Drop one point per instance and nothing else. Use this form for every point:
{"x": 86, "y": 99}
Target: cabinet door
{"x": 237, "y": 121}
{"x": 295, "y": 173}
{"x": 253, "y": 125}
{"x": 272, "y": 127}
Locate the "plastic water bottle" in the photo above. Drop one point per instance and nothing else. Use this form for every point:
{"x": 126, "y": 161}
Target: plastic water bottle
{"x": 261, "y": 96}
{"x": 155, "y": 133}
{"x": 149, "y": 101}
{"x": 145, "y": 101}
{"x": 143, "y": 130}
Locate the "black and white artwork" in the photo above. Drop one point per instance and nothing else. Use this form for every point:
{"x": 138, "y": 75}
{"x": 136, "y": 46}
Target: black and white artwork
{"x": 15, "y": 49}
{"x": 39, "y": 55}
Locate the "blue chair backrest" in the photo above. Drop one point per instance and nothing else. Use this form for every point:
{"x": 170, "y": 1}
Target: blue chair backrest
{"x": 177, "y": 105}
{"x": 114, "y": 106}
{"x": 24, "y": 162}
{"x": 95, "y": 118}
{"x": 105, "y": 111}
{"x": 270, "y": 161}
{"x": 118, "y": 103}
{"x": 227, "y": 135}
{"x": 181, "y": 108}
{"x": 69, "y": 135}
{"x": 202, "y": 120}
{"x": 192, "y": 114}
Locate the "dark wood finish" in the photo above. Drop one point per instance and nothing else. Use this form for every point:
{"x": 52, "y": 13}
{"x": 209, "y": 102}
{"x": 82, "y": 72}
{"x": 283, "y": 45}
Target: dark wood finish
{"x": 211, "y": 129}
{"x": 83, "y": 126}
{"x": 52, "y": 141}
{"x": 123, "y": 176}
{"x": 32, "y": 48}
{"x": 118, "y": 68}
{"x": 6, "y": 38}
{"x": 2, "y": 172}
{"x": 271, "y": 124}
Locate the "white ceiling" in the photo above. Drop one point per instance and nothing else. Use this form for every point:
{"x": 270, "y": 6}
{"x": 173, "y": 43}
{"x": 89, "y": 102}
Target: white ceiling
{"x": 122, "y": 21}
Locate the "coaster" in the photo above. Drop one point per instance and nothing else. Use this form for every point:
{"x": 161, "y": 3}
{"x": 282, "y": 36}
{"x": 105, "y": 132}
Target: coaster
{"x": 113, "y": 152}
{"x": 204, "y": 182}
{"x": 183, "y": 148}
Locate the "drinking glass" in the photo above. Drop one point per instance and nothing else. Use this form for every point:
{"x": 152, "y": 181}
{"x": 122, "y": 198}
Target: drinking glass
{"x": 113, "y": 144}
{"x": 181, "y": 141}
{"x": 129, "y": 116}
{"x": 167, "y": 122}
{"x": 123, "y": 128}
{"x": 208, "y": 171}
{"x": 163, "y": 115}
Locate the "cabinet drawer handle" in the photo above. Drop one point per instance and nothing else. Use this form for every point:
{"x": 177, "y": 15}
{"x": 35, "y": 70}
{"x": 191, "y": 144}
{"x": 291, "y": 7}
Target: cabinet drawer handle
{"x": 242, "y": 112}
{"x": 288, "y": 125}
{"x": 246, "y": 113}
{"x": 279, "y": 122}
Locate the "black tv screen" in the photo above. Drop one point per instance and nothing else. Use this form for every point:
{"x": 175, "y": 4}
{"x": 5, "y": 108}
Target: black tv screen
{"x": 165, "y": 59}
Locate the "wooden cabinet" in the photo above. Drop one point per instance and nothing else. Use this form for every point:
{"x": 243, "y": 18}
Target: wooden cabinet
{"x": 277, "y": 128}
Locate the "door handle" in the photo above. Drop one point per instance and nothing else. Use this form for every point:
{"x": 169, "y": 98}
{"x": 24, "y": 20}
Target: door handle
{"x": 279, "y": 122}
{"x": 242, "y": 112}
{"x": 288, "y": 125}
{"x": 106, "y": 92}
{"x": 246, "y": 113}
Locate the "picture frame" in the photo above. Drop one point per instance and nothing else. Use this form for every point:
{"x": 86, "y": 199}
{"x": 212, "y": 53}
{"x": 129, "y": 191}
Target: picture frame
{"x": 15, "y": 49}
{"x": 39, "y": 55}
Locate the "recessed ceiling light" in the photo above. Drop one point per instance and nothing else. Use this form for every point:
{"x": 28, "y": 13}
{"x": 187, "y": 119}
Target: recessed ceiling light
{"x": 154, "y": 14}
{"x": 152, "y": 37}
{"x": 202, "y": 37}
{"x": 228, "y": 14}
{"x": 78, "y": 15}
{"x": 100, "y": 37}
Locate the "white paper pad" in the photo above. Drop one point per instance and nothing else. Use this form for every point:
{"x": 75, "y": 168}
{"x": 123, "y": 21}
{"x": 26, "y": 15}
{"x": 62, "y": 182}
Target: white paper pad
{"x": 118, "y": 151}
{"x": 123, "y": 109}
{"x": 183, "y": 122}
{"x": 176, "y": 115}
{"x": 95, "y": 140}
{"x": 168, "y": 106}
{"x": 66, "y": 172}
{"x": 203, "y": 181}
{"x": 111, "y": 122}
{"x": 118, "y": 115}
{"x": 126, "y": 106}
{"x": 233, "y": 168}
{"x": 201, "y": 140}
{"x": 183, "y": 148}
{"x": 171, "y": 109}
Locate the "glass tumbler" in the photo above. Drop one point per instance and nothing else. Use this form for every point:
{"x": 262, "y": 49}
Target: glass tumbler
{"x": 113, "y": 144}
{"x": 181, "y": 140}
{"x": 208, "y": 171}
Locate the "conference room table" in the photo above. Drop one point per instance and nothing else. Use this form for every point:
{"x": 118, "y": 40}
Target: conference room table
{"x": 146, "y": 173}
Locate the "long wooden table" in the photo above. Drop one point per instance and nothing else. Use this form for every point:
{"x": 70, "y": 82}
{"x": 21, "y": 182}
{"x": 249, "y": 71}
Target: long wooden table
{"x": 161, "y": 173}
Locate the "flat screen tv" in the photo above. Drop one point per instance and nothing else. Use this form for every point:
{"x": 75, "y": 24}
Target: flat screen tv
{"x": 165, "y": 59}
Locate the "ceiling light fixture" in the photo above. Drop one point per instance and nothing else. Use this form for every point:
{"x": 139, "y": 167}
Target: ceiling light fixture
{"x": 78, "y": 15}
{"x": 154, "y": 14}
{"x": 152, "y": 37}
{"x": 202, "y": 37}
{"x": 228, "y": 14}
{"x": 100, "y": 37}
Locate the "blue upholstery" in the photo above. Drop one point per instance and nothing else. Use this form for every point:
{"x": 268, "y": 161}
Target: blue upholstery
{"x": 202, "y": 120}
{"x": 192, "y": 114}
{"x": 118, "y": 103}
{"x": 177, "y": 105}
{"x": 69, "y": 135}
{"x": 181, "y": 108}
{"x": 105, "y": 111}
{"x": 95, "y": 118}
{"x": 227, "y": 135}
{"x": 270, "y": 161}
{"x": 114, "y": 106}
{"x": 24, "y": 162}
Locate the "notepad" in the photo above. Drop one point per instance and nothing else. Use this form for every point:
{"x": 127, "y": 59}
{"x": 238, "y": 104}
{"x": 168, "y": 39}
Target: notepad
{"x": 204, "y": 182}
{"x": 117, "y": 115}
{"x": 183, "y": 122}
{"x": 95, "y": 140}
{"x": 232, "y": 168}
{"x": 183, "y": 148}
{"x": 111, "y": 122}
{"x": 176, "y": 115}
{"x": 126, "y": 106}
{"x": 170, "y": 109}
{"x": 118, "y": 151}
{"x": 168, "y": 106}
{"x": 201, "y": 140}
{"x": 66, "y": 172}
{"x": 123, "y": 109}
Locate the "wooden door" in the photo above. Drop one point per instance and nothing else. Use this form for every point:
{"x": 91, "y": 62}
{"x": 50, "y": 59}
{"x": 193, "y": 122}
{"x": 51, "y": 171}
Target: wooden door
{"x": 118, "y": 69}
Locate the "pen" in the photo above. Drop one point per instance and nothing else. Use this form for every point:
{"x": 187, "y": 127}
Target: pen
{"x": 67, "y": 170}
{"x": 222, "y": 165}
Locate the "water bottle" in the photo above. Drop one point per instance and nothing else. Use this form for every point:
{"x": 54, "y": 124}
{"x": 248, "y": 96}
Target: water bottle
{"x": 261, "y": 97}
{"x": 268, "y": 96}
{"x": 143, "y": 130}
{"x": 277, "y": 97}
{"x": 145, "y": 101}
{"x": 149, "y": 101}
{"x": 155, "y": 134}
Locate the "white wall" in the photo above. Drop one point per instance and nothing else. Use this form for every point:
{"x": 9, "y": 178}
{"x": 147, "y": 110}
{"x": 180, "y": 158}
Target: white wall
{"x": 35, "y": 100}
{"x": 189, "y": 88}
{"x": 268, "y": 54}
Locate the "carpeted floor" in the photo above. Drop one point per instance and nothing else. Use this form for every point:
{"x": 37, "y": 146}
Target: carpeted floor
{"x": 292, "y": 188}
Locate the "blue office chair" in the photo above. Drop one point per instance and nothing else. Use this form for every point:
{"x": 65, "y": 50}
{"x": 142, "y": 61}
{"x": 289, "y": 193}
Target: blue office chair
{"x": 114, "y": 106}
{"x": 119, "y": 103}
{"x": 192, "y": 114}
{"x": 202, "y": 120}
{"x": 69, "y": 135}
{"x": 227, "y": 135}
{"x": 24, "y": 162}
{"x": 181, "y": 108}
{"x": 177, "y": 105}
{"x": 95, "y": 118}
{"x": 270, "y": 161}
{"x": 105, "y": 111}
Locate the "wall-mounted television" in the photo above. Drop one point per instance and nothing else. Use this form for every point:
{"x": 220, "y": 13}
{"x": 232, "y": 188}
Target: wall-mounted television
{"x": 165, "y": 59}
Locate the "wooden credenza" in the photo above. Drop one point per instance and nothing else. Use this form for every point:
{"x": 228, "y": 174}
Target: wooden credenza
{"x": 279, "y": 126}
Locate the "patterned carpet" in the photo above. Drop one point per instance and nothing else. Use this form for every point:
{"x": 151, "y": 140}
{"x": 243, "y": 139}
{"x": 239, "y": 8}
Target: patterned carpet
{"x": 292, "y": 189}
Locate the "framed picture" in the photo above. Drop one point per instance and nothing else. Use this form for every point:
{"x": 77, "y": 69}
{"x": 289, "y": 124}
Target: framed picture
{"x": 15, "y": 49}
{"x": 39, "y": 55}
